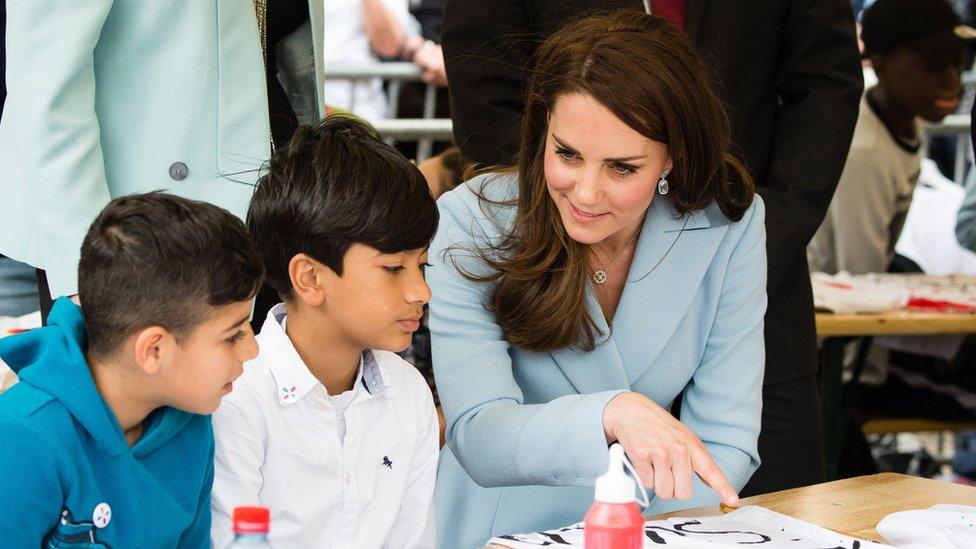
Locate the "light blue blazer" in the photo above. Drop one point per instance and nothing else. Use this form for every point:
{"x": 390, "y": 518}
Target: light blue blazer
{"x": 112, "y": 97}
{"x": 525, "y": 432}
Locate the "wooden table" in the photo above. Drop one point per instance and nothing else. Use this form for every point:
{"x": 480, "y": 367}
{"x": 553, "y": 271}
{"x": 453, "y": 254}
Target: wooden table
{"x": 851, "y": 506}
{"x": 839, "y": 329}
{"x": 854, "y": 506}
{"x": 894, "y": 323}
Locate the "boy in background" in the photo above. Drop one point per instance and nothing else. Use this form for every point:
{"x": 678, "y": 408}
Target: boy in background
{"x": 329, "y": 428}
{"x": 916, "y": 48}
{"x": 105, "y": 441}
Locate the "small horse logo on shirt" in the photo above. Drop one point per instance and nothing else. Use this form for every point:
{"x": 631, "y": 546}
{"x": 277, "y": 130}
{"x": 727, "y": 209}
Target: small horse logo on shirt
{"x": 387, "y": 463}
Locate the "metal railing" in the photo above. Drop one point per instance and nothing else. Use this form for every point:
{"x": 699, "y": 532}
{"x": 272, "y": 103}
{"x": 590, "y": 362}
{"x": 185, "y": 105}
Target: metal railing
{"x": 428, "y": 129}
{"x": 410, "y": 129}
{"x": 424, "y": 130}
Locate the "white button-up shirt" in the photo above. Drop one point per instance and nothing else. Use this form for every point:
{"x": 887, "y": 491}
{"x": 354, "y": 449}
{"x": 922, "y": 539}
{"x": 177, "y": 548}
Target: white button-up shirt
{"x": 279, "y": 445}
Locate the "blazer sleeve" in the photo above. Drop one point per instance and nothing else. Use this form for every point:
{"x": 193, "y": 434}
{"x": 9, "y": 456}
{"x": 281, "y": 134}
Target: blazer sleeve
{"x": 819, "y": 82}
{"x": 487, "y": 49}
{"x": 55, "y": 131}
{"x": 722, "y": 404}
{"x": 497, "y": 438}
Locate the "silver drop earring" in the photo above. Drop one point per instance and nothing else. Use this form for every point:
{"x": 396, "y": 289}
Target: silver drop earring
{"x": 662, "y": 184}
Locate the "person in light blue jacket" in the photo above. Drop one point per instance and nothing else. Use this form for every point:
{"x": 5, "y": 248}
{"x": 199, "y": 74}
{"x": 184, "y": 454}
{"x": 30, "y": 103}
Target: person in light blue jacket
{"x": 619, "y": 266}
{"x": 113, "y": 97}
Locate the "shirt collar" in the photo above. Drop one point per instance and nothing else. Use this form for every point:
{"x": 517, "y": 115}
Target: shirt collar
{"x": 293, "y": 379}
{"x": 371, "y": 376}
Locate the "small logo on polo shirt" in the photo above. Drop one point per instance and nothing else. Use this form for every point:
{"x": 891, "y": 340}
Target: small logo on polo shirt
{"x": 387, "y": 463}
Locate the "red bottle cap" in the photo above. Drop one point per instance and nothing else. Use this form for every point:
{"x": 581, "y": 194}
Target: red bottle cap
{"x": 251, "y": 520}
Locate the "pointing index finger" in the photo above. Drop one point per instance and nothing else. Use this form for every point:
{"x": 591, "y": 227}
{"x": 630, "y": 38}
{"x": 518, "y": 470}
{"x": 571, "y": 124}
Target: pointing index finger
{"x": 711, "y": 475}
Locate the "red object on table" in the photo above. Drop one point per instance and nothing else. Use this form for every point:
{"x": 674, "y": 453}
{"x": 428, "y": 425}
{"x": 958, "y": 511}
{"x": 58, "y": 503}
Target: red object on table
{"x": 939, "y": 305}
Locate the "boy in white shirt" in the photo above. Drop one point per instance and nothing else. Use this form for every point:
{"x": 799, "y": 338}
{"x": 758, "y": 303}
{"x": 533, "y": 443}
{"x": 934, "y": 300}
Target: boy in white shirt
{"x": 916, "y": 48}
{"x": 330, "y": 429}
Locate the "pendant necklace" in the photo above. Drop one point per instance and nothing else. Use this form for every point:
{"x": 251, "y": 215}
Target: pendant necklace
{"x": 600, "y": 275}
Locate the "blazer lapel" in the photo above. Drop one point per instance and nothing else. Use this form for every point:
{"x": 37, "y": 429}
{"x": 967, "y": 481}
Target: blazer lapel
{"x": 600, "y": 369}
{"x": 672, "y": 258}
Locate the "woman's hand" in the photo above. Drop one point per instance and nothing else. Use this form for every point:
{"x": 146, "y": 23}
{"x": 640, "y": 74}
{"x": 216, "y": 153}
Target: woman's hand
{"x": 663, "y": 450}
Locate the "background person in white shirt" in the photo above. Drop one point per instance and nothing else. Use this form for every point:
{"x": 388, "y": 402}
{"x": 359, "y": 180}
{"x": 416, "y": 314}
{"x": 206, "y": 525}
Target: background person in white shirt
{"x": 357, "y": 32}
{"x": 329, "y": 428}
{"x": 916, "y": 48}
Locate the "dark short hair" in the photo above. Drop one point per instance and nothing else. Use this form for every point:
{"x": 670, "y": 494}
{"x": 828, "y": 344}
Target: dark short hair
{"x": 336, "y": 184}
{"x": 157, "y": 259}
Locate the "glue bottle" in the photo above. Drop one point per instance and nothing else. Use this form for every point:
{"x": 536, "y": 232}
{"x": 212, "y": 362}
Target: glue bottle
{"x": 251, "y": 528}
{"x": 614, "y": 521}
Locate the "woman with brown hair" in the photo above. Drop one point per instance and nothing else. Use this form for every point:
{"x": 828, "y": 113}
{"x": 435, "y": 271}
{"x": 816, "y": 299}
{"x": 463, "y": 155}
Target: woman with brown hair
{"x": 621, "y": 264}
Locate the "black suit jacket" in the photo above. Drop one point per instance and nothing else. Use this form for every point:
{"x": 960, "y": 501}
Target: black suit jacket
{"x": 789, "y": 72}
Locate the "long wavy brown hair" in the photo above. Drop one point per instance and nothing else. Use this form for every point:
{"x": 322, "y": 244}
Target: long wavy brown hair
{"x": 648, "y": 74}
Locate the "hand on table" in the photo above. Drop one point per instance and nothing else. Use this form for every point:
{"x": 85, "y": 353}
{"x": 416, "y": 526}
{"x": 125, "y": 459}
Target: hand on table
{"x": 663, "y": 450}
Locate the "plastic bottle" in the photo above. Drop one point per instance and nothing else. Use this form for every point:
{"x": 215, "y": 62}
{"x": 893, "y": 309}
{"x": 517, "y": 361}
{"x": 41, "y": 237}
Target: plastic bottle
{"x": 614, "y": 521}
{"x": 251, "y": 528}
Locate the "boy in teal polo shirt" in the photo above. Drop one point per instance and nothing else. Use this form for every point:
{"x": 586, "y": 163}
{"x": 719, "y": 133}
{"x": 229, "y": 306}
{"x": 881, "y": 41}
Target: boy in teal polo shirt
{"x": 105, "y": 438}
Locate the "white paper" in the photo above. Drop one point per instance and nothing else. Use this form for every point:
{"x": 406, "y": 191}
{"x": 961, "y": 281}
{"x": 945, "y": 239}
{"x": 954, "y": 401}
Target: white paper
{"x": 843, "y": 293}
{"x": 939, "y": 526}
{"x": 751, "y": 525}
